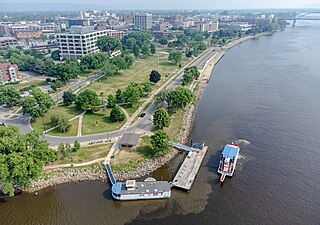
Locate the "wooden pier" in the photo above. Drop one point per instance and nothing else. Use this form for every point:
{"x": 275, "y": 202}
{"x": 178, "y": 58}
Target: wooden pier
{"x": 187, "y": 173}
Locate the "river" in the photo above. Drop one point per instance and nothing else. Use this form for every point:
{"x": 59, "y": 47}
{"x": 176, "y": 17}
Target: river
{"x": 264, "y": 94}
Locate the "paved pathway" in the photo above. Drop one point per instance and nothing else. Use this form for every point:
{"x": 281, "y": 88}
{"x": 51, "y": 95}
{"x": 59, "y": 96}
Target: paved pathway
{"x": 80, "y": 124}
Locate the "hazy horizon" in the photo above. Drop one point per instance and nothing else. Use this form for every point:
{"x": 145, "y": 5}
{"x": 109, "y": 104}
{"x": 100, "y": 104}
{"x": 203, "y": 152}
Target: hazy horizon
{"x": 168, "y": 4}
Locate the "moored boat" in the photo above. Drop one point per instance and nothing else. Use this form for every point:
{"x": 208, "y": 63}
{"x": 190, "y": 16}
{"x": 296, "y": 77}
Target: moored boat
{"x": 228, "y": 160}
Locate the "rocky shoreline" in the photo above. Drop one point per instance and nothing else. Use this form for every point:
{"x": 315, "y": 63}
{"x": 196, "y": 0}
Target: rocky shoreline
{"x": 97, "y": 172}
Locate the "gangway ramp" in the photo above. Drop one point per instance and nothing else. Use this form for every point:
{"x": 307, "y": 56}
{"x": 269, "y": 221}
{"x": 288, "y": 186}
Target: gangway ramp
{"x": 110, "y": 174}
{"x": 183, "y": 147}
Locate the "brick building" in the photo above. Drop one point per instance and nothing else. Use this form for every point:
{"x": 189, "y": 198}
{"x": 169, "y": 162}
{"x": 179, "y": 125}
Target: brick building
{"x": 8, "y": 42}
{"x": 8, "y": 73}
{"x": 28, "y": 34}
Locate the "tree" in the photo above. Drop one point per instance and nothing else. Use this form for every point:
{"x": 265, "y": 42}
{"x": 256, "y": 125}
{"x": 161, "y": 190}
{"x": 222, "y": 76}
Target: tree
{"x": 176, "y": 57}
{"x": 56, "y": 84}
{"x": 119, "y": 96}
{"x": 21, "y": 158}
{"x": 61, "y": 122}
{"x": 145, "y": 50}
{"x": 164, "y": 41}
{"x": 153, "y": 49}
{"x": 108, "y": 44}
{"x": 89, "y": 62}
{"x": 37, "y": 104}
{"x": 68, "y": 98}
{"x": 136, "y": 50}
{"x": 55, "y": 55}
{"x": 9, "y": 97}
{"x": 65, "y": 71}
{"x": 161, "y": 118}
{"x": 132, "y": 93}
{"x": 111, "y": 101}
{"x": 179, "y": 97}
{"x": 116, "y": 115}
{"x": 162, "y": 96}
{"x": 190, "y": 73}
{"x": 160, "y": 143}
{"x": 88, "y": 100}
{"x": 76, "y": 145}
{"x": 154, "y": 77}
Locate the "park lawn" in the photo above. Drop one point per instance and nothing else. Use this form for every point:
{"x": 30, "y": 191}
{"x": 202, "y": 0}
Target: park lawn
{"x": 138, "y": 73}
{"x": 131, "y": 110}
{"x": 28, "y": 84}
{"x": 176, "y": 123}
{"x": 85, "y": 154}
{"x": 99, "y": 122}
{"x": 73, "y": 131}
{"x": 66, "y": 111}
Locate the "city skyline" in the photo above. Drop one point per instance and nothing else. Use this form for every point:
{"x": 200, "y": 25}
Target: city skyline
{"x": 179, "y": 4}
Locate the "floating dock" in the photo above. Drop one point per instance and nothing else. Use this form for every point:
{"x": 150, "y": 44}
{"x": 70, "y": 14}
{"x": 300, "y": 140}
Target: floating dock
{"x": 188, "y": 171}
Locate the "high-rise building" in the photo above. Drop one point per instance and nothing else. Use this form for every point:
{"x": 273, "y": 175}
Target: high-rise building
{"x": 210, "y": 26}
{"x": 143, "y": 21}
{"x": 81, "y": 41}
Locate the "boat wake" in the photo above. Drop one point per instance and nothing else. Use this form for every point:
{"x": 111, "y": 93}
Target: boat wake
{"x": 242, "y": 142}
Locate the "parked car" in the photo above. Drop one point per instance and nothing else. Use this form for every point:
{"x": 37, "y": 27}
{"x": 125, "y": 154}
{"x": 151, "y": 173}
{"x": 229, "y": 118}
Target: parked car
{"x": 142, "y": 114}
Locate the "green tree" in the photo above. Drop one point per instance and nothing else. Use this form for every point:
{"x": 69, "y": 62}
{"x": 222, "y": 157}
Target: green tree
{"x": 161, "y": 97}
{"x": 176, "y": 57}
{"x": 108, "y": 44}
{"x": 68, "y": 98}
{"x": 136, "y": 50}
{"x": 190, "y": 73}
{"x": 179, "y": 97}
{"x": 145, "y": 50}
{"x": 164, "y": 41}
{"x": 65, "y": 71}
{"x": 76, "y": 145}
{"x": 153, "y": 48}
{"x": 161, "y": 118}
{"x": 21, "y": 158}
{"x": 160, "y": 143}
{"x": 61, "y": 122}
{"x": 37, "y": 104}
{"x": 116, "y": 115}
{"x": 154, "y": 76}
{"x": 111, "y": 101}
{"x": 88, "y": 100}
{"x": 55, "y": 55}
{"x": 9, "y": 97}
{"x": 132, "y": 93}
{"x": 119, "y": 96}
{"x": 56, "y": 84}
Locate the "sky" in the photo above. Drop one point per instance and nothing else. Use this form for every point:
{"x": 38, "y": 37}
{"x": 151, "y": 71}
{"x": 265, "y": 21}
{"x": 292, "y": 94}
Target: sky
{"x": 186, "y": 4}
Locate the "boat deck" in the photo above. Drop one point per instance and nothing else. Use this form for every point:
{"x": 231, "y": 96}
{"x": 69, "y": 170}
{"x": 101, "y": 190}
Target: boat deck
{"x": 187, "y": 173}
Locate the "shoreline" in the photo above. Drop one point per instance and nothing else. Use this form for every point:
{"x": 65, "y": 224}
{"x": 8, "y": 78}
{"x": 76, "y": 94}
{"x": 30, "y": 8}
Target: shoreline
{"x": 97, "y": 172}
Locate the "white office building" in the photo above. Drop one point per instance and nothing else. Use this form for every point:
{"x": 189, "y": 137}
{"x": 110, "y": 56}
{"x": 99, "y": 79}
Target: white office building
{"x": 81, "y": 41}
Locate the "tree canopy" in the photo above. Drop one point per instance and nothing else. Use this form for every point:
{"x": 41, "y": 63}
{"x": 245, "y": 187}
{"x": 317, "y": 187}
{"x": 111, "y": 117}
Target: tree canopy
{"x": 21, "y": 158}
{"x": 68, "y": 98}
{"x": 116, "y": 115}
{"x": 37, "y": 104}
{"x": 9, "y": 97}
{"x": 190, "y": 73}
{"x": 161, "y": 118}
{"x": 155, "y": 76}
{"x": 176, "y": 57}
{"x": 108, "y": 44}
{"x": 88, "y": 100}
{"x": 160, "y": 143}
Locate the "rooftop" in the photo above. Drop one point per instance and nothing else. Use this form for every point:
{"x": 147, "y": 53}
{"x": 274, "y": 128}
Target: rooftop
{"x": 129, "y": 139}
{"x": 230, "y": 151}
{"x": 7, "y": 38}
{"x": 142, "y": 187}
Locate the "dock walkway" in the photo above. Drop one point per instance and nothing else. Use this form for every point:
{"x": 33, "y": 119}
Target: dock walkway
{"x": 187, "y": 173}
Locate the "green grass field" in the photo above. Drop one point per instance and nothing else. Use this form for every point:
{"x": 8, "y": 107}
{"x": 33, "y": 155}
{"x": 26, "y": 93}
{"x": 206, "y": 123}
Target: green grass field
{"x": 138, "y": 73}
{"x": 73, "y": 131}
{"x": 68, "y": 112}
{"x": 99, "y": 122}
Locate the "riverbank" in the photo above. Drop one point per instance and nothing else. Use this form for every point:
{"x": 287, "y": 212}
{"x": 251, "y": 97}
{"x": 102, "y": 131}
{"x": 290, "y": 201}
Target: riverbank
{"x": 68, "y": 175}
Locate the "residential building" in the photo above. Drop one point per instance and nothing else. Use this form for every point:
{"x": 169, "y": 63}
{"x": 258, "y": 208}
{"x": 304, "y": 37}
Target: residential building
{"x": 79, "y": 41}
{"x": 8, "y": 42}
{"x": 30, "y": 34}
{"x": 143, "y": 21}
{"x": 78, "y": 23}
{"x": 8, "y": 73}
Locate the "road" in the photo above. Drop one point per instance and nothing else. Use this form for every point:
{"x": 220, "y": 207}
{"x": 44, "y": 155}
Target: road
{"x": 141, "y": 125}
